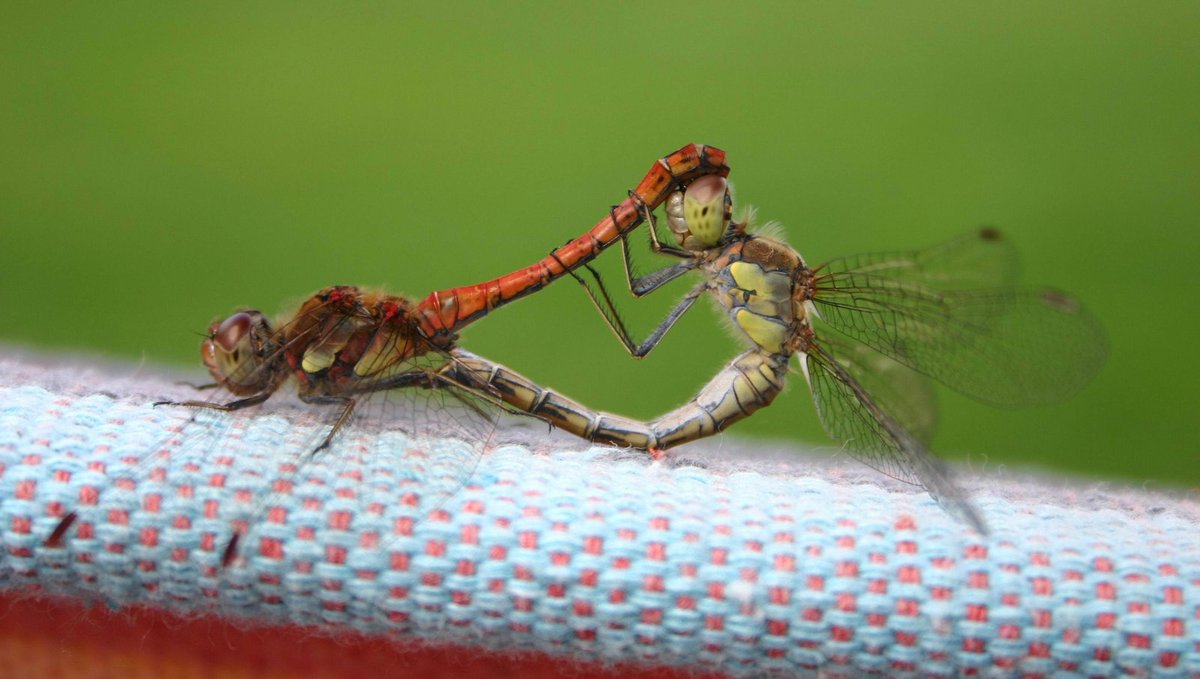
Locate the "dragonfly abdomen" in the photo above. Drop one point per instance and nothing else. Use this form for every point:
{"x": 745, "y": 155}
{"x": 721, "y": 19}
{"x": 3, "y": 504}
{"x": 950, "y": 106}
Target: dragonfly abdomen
{"x": 751, "y": 381}
{"x": 447, "y": 311}
{"x": 520, "y": 393}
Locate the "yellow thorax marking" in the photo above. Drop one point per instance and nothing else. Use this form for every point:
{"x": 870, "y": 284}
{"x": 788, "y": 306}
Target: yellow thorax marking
{"x": 767, "y": 332}
{"x": 321, "y": 355}
{"x": 775, "y": 285}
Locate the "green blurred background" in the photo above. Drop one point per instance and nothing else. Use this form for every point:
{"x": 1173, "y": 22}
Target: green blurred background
{"x": 164, "y": 164}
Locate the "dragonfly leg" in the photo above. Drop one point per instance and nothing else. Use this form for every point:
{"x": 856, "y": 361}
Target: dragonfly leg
{"x": 449, "y": 376}
{"x": 652, "y": 226}
{"x": 640, "y": 350}
{"x": 227, "y": 407}
{"x": 641, "y": 285}
{"x": 347, "y": 404}
{"x": 603, "y": 302}
{"x": 198, "y": 387}
{"x": 648, "y": 283}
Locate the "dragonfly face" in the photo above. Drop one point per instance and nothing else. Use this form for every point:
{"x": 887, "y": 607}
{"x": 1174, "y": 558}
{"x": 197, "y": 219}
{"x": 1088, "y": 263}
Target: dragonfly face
{"x": 240, "y": 353}
{"x": 701, "y": 216}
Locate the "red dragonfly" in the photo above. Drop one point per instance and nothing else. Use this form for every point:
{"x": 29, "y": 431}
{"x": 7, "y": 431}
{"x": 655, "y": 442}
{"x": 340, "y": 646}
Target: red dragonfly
{"x": 344, "y": 344}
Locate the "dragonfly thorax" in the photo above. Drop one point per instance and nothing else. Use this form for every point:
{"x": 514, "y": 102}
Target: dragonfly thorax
{"x": 345, "y": 339}
{"x": 755, "y": 282}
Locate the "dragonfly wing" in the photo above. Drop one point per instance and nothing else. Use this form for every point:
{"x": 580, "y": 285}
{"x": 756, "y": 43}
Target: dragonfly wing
{"x": 874, "y": 436}
{"x": 975, "y": 260}
{"x": 421, "y": 437}
{"x": 1001, "y": 345}
{"x": 907, "y": 395}
{"x": 403, "y": 453}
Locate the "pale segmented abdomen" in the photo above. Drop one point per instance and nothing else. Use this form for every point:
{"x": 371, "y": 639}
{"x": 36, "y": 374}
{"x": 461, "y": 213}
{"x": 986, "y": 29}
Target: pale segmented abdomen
{"x": 748, "y": 383}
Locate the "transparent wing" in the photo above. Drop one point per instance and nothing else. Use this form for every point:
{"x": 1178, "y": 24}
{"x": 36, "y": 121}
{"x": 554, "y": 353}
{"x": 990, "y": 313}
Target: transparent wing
{"x": 873, "y": 434}
{"x": 980, "y": 259}
{"x": 257, "y": 485}
{"x": 940, "y": 312}
{"x": 402, "y": 455}
{"x": 908, "y": 396}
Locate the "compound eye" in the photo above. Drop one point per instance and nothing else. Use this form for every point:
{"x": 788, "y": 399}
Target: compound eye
{"x": 706, "y": 190}
{"x": 704, "y": 208}
{"x": 231, "y": 331}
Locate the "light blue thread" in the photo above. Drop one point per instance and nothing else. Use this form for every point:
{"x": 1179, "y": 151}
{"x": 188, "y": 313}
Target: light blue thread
{"x": 571, "y": 489}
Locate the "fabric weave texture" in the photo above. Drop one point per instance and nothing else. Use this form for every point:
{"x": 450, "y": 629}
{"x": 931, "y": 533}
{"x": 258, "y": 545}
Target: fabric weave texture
{"x": 715, "y": 561}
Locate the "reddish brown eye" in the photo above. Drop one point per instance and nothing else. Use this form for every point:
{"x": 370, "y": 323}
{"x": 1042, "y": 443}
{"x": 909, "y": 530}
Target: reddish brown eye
{"x": 707, "y": 189}
{"x": 232, "y": 330}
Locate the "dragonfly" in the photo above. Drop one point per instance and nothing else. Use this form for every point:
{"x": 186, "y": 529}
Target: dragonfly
{"x": 344, "y": 344}
{"x": 865, "y": 331}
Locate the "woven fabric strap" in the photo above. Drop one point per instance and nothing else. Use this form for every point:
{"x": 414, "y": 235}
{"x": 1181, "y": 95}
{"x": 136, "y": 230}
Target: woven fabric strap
{"x": 712, "y": 560}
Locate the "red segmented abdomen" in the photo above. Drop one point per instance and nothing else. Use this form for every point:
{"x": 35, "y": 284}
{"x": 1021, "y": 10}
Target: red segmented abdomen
{"x": 447, "y": 311}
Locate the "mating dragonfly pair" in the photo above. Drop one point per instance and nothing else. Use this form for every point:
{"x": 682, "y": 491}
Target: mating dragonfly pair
{"x": 863, "y": 330}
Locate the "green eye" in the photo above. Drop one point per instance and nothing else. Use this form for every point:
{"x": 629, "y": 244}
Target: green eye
{"x": 704, "y": 208}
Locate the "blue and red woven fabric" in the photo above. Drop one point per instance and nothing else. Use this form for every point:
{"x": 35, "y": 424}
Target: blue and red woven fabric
{"x": 713, "y": 560}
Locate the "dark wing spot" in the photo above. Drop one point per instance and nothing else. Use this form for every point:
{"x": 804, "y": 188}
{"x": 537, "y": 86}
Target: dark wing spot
{"x": 1061, "y": 301}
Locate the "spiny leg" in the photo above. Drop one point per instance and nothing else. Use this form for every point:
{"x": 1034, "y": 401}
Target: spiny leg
{"x": 603, "y": 303}
{"x": 447, "y": 376}
{"x": 459, "y": 388}
{"x": 644, "y": 284}
{"x": 639, "y": 286}
{"x": 652, "y": 226}
{"x": 198, "y": 387}
{"x": 226, "y": 407}
{"x": 347, "y": 404}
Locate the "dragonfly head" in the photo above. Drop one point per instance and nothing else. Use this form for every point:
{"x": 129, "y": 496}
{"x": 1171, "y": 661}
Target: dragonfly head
{"x": 240, "y": 355}
{"x": 701, "y": 216}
